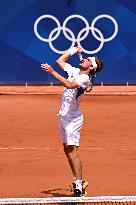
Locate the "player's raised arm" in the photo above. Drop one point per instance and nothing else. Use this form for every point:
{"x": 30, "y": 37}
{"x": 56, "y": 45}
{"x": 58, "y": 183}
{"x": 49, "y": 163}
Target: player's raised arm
{"x": 62, "y": 60}
{"x": 63, "y": 81}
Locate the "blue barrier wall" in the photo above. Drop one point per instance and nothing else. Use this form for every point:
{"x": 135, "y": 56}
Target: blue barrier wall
{"x": 22, "y": 51}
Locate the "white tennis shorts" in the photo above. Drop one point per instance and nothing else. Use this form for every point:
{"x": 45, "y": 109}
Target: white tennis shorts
{"x": 70, "y": 129}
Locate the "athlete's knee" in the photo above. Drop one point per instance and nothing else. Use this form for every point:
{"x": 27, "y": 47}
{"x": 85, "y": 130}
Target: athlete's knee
{"x": 65, "y": 147}
{"x": 70, "y": 151}
{"x": 69, "y": 148}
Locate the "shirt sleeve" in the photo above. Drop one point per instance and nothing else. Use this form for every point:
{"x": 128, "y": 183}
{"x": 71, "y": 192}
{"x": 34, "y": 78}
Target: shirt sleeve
{"x": 70, "y": 69}
{"x": 83, "y": 80}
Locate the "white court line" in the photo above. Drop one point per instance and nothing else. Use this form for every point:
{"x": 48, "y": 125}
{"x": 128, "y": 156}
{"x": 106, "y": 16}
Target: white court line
{"x": 60, "y": 148}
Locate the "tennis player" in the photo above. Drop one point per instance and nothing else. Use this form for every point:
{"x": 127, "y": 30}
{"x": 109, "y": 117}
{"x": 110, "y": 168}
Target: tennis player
{"x": 71, "y": 118}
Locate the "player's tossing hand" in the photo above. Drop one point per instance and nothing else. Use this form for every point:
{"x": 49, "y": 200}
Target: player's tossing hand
{"x": 47, "y": 68}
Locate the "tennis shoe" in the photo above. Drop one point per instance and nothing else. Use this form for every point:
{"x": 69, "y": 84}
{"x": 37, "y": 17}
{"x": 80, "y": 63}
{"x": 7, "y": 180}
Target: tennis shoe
{"x": 84, "y": 186}
{"x": 79, "y": 193}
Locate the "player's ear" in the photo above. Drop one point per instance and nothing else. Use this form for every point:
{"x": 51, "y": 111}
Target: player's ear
{"x": 91, "y": 68}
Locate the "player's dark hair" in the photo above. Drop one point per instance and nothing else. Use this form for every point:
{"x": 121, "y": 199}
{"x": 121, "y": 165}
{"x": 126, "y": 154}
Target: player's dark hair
{"x": 100, "y": 65}
{"x": 90, "y": 86}
{"x": 92, "y": 74}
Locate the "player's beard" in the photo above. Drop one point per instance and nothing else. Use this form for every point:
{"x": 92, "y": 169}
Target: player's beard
{"x": 83, "y": 68}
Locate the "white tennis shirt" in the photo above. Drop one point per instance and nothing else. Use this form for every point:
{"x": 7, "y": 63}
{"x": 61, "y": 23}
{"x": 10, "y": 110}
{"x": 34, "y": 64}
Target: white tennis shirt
{"x": 70, "y": 98}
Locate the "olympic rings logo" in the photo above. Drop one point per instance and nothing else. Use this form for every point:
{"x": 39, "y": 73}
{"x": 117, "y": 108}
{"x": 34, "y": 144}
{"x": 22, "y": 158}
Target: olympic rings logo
{"x": 97, "y": 34}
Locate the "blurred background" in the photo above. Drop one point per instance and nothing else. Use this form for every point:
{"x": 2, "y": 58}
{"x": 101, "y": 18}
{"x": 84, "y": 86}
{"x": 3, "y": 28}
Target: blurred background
{"x": 22, "y": 52}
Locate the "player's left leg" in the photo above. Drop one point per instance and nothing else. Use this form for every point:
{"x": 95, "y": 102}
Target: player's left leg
{"x": 72, "y": 129}
{"x": 69, "y": 160}
{"x": 76, "y": 165}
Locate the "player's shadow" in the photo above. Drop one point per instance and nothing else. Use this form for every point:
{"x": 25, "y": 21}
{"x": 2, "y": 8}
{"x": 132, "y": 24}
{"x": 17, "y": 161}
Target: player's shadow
{"x": 55, "y": 193}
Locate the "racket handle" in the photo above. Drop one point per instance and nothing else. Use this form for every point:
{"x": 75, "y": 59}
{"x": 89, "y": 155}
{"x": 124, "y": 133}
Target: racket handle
{"x": 80, "y": 56}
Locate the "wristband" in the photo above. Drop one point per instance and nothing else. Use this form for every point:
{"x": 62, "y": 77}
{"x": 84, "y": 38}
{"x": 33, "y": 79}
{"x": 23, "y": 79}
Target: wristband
{"x": 73, "y": 51}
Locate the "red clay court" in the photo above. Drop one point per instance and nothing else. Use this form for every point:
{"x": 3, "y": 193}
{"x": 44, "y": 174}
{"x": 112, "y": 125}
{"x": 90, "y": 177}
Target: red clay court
{"x": 32, "y": 160}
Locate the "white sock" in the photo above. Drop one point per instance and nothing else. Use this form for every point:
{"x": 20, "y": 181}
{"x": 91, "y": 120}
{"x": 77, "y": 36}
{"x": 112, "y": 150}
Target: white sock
{"x": 78, "y": 184}
{"x": 74, "y": 179}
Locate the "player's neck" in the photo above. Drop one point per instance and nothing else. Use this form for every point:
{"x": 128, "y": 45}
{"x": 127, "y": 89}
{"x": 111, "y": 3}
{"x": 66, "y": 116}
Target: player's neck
{"x": 84, "y": 72}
